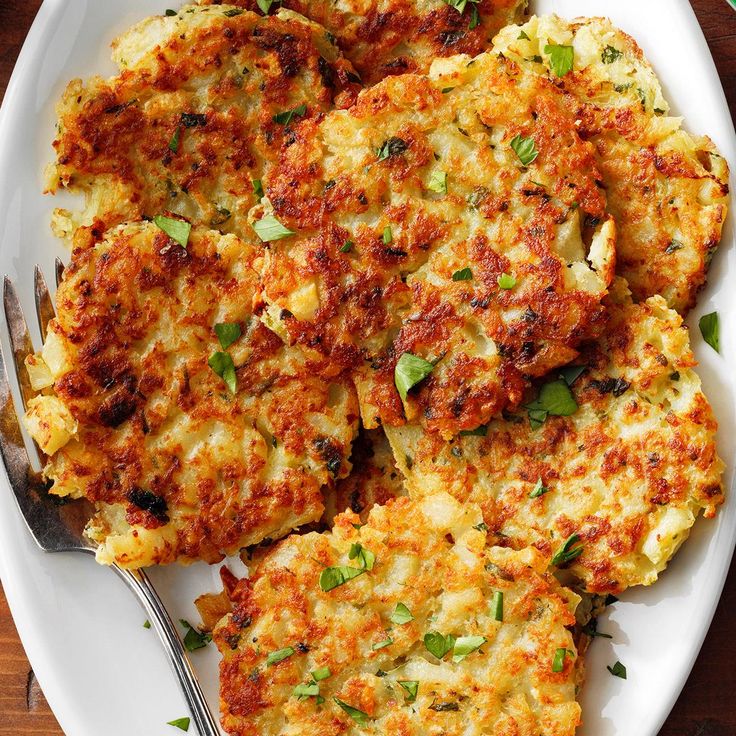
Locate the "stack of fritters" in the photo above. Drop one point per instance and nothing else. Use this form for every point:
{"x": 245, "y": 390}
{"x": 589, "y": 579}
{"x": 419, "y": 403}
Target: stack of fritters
{"x": 264, "y": 250}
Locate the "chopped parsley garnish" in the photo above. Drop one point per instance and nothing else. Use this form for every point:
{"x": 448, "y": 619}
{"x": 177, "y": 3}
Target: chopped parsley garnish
{"x": 265, "y": 5}
{"x": 618, "y": 670}
{"x": 464, "y": 274}
{"x": 465, "y": 645}
{"x": 506, "y": 281}
{"x": 169, "y": 12}
{"x": 174, "y": 142}
{"x": 347, "y": 246}
{"x": 560, "y": 58}
{"x": 497, "y": 605}
{"x": 567, "y": 553}
{"x": 358, "y": 716}
{"x": 474, "y": 17}
{"x": 194, "y": 639}
{"x": 391, "y": 147}
{"x": 525, "y": 149}
{"x": 382, "y": 644}
{"x": 410, "y": 370}
{"x": 388, "y": 236}
{"x": 365, "y": 557}
{"x": 285, "y": 117}
{"x": 306, "y": 690}
{"x": 570, "y": 373}
{"x": 460, "y": 6}
{"x": 146, "y": 624}
{"x": 177, "y": 230}
{"x": 333, "y": 577}
{"x": 411, "y": 687}
{"x": 222, "y": 364}
{"x": 321, "y": 674}
{"x": 232, "y": 12}
{"x": 523, "y": 37}
{"x": 227, "y": 333}
{"x": 591, "y": 630}
{"x": 438, "y": 644}
{"x": 482, "y": 527}
{"x": 438, "y": 181}
{"x": 555, "y": 399}
{"x": 401, "y": 615}
{"x": 257, "y": 187}
{"x": 558, "y": 662}
{"x": 180, "y": 723}
{"x": 539, "y": 489}
{"x": 710, "y": 330}
{"x": 268, "y": 228}
{"x": 610, "y": 55}
{"x": 445, "y": 90}
{"x": 279, "y": 655}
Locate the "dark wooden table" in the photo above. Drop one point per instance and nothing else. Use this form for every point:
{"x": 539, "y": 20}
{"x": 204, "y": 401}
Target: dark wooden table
{"x": 707, "y": 706}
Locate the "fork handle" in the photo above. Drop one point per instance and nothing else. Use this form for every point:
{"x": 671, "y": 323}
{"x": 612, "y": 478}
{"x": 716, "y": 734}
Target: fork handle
{"x": 159, "y": 617}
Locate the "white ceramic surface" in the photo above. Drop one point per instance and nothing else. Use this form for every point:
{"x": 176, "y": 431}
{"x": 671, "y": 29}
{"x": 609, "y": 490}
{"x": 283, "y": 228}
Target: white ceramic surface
{"x": 102, "y": 672}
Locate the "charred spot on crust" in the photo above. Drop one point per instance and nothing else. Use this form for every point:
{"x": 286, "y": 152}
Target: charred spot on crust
{"x": 192, "y": 120}
{"x": 115, "y": 409}
{"x": 150, "y": 502}
{"x": 330, "y": 453}
{"x": 616, "y": 386}
{"x": 326, "y": 72}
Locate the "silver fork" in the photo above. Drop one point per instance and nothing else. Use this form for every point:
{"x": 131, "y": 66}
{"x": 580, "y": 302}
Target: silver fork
{"x": 59, "y": 527}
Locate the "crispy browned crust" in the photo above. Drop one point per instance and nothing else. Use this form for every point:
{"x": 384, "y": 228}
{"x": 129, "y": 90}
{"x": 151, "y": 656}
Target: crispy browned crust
{"x": 388, "y": 37}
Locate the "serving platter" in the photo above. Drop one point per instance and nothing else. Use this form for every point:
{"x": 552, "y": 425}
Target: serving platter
{"x": 100, "y": 669}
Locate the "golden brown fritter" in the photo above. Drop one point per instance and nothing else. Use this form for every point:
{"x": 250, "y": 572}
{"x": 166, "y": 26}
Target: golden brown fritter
{"x": 387, "y": 37}
{"x": 201, "y": 104}
{"x": 414, "y": 642}
{"x": 627, "y": 473}
{"x": 420, "y": 228}
{"x": 667, "y": 189}
{"x": 184, "y": 458}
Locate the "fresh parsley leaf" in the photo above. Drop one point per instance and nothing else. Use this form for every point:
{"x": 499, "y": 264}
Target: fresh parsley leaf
{"x": 174, "y": 142}
{"x": 388, "y": 236}
{"x": 333, "y": 577}
{"x": 618, "y": 670}
{"x": 523, "y": 37}
{"x": 410, "y": 370}
{"x": 561, "y": 58}
{"x": 321, "y": 674}
{"x": 482, "y": 527}
{"x": 539, "y": 489}
{"x": 610, "y": 55}
{"x": 227, "y": 333}
{"x": 480, "y": 431}
{"x": 567, "y": 553}
{"x": 177, "y": 230}
{"x": 710, "y": 330}
{"x": 146, "y": 624}
{"x": 222, "y": 364}
{"x": 265, "y": 5}
{"x": 382, "y": 644}
{"x": 268, "y": 228}
{"x": 558, "y": 662}
{"x": 401, "y": 615}
{"x": 525, "y": 149}
{"x": 306, "y": 690}
{"x": 194, "y": 639}
{"x": 285, "y": 117}
{"x": 506, "y": 281}
{"x": 411, "y": 687}
{"x": 257, "y": 187}
{"x": 232, "y": 12}
{"x": 438, "y": 181}
{"x": 555, "y": 399}
{"x": 365, "y": 557}
{"x": 279, "y": 656}
{"x": 438, "y": 644}
{"x": 497, "y": 605}
{"x": 358, "y": 716}
{"x": 347, "y": 246}
{"x": 465, "y": 645}
{"x": 464, "y": 274}
{"x": 181, "y": 723}
{"x": 570, "y": 373}
{"x": 391, "y": 147}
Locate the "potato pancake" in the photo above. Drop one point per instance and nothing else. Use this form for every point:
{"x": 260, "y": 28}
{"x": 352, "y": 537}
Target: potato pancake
{"x": 193, "y": 429}
{"x": 668, "y": 190}
{"x": 386, "y": 37}
{"x": 204, "y": 99}
{"x": 455, "y": 219}
{"x": 405, "y": 626}
{"x": 612, "y": 487}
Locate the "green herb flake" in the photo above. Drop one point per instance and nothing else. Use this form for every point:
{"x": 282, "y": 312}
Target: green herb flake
{"x": 710, "y": 330}
{"x": 555, "y": 399}
{"x": 174, "y": 142}
{"x": 306, "y": 690}
{"x": 618, "y": 670}
{"x": 391, "y": 147}
{"x": 227, "y": 333}
{"x": 610, "y": 55}
{"x": 333, "y": 577}
{"x": 180, "y": 723}
{"x": 366, "y": 558}
{"x": 480, "y": 431}
{"x": 411, "y": 687}
{"x": 146, "y": 624}
{"x": 279, "y": 656}
{"x": 232, "y": 12}
{"x": 523, "y": 37}
{"x": 570, "y": 373}
{"x": 506, "y": 281}
{"x": 591, "y": 631}
{"x": 474, "y": 17}
{"x": 465, "y": 645}
{"x": 482, "y": 527}
{"x": 410, "y": 370}
{"x": 194, "y": 639}
{"x": 464, "y": 274}
{"x": 525, "y": 149}
{"x": 257, "y": 187}
{"x": 321, "y": 674}
{"x": 265, "y": 5}
{"x": 177, "y": 230}
{"x": 401, "y": 615}
{"x": 539, "y": 489}
{"x": 567, "y": 553}
{"x": 358, "y": 716}
{"x": 497, "y": 605}
{"x": 222, "y": 364}
{"x": 347, "y": 246}
{"x": 388, "y": 236}
{"x": 169, "y": 12}
{"x": 438, "y": 181}
{"x": 438, "y": 644}
{"x": 268, "y": 228}
{"x": 285, "y": 117}
{"x": 445, "y": 90}
{"x": 561, "y": 58}
{"x": 558, "y": 662}
{"x": 382, "y": 644}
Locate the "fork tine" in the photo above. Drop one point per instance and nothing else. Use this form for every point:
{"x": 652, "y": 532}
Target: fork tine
{"x": 44, "y": 304}
{"x": 20, "y": 339}
{"x": 59, "y": 270}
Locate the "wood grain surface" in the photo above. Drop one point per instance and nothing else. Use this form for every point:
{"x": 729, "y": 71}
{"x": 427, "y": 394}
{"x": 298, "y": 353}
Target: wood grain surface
{"x": 707, "y": 706}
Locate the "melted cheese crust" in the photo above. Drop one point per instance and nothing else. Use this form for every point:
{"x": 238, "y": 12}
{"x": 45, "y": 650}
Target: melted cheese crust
{"x": 388, "y": 37}
{"x": 363, "y": 175}
{"x": 667, "y": 189}
{"x": 136, "y": 421}
{"x": 188, "y": 123}
{"x": 430, "y": 557}
{"x": 628, "y": 472}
